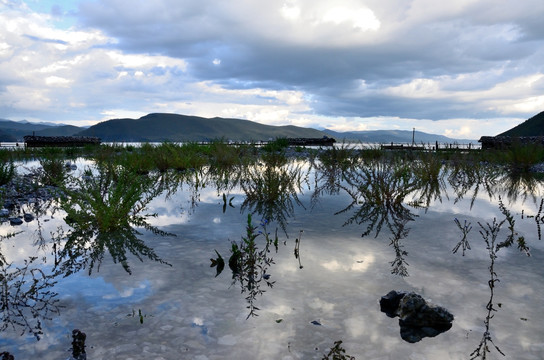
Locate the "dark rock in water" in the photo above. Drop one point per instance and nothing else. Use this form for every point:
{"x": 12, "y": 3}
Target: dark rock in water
{"x": 6, "y": 356}
{"x": 28, "y": 217}
{"x": 78, "y": 345}
{"x": 417, "y": 317}
{"x": 4, "y": 212}
{"x": 389, "y": 303}
{"x": 15, "y": 221}
{"x": 414, "y": 334}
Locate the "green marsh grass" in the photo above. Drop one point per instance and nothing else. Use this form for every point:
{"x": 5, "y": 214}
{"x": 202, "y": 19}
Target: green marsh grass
{"x": 277, "y": 145}
{"x": 521, "y": 158}
{"x": 7, "y": 172}
{"x": 103, "y": 211}
{"x": 344, "y": 155}
{"x": 53, "y": 171}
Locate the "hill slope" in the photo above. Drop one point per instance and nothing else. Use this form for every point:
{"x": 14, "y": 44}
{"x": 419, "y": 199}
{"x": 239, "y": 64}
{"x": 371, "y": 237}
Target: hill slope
{"x": 531, "y": 127}
{"x": 396, "y": 136}
{"x": 174, "y": 127}
{"x": 64, "y": 130}
{"x": 15, "y": 130}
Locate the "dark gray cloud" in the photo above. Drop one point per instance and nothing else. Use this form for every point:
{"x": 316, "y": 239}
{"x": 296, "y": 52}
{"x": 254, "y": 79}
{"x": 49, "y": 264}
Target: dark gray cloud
{"x": 293, "y": 61}
{"x": 469, "y": 41}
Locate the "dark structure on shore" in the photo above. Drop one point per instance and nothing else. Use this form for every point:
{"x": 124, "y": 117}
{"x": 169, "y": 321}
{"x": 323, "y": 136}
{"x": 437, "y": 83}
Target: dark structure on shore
{"x": 506, "y": 142}
{"x": 324, "y": 141}
{"x": 60, "y": 141}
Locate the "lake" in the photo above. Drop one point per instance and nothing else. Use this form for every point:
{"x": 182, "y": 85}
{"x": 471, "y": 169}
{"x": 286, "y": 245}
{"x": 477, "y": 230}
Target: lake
{"x": 324, "y": 245}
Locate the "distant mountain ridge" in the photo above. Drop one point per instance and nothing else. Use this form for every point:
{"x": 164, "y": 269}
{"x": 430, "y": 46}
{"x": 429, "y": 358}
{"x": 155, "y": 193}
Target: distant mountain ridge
{"x": 158, "y": 127}
{"x": 395, "y": 136}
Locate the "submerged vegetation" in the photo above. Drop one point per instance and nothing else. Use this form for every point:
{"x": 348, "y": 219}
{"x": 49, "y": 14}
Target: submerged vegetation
{"x": 102, "y": 210}
{"x": 249, "y": 263}
{"x": 105, "y": 208}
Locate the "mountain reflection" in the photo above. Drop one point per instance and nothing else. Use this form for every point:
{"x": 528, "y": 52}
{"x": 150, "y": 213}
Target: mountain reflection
{"x": 102, "y": 210}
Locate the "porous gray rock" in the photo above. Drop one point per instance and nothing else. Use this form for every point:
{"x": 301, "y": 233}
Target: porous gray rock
{"x": 417, "y": 317}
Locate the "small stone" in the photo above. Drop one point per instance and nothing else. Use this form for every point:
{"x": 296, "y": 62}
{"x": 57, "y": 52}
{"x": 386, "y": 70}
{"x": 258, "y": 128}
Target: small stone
{"x": 15, "y": 221}
{"x": 4, "y": 212}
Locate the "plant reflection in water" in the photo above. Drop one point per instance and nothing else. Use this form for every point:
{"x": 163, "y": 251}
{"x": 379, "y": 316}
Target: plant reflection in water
{"x": 378, "y": 193}
{"x": 249, "y": 264}
{"x": 26, "y": 296}
{"x": 102, "y": 211}
{"x": 490, "y": 233}
{"x": 466, "y": 177}
{"x": 272, "y": 190}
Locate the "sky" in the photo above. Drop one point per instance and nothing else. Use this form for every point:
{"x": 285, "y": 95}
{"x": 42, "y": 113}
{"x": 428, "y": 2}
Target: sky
{"x": 460, "y": 68}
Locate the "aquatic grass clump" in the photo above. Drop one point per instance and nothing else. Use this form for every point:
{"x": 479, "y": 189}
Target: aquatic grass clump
{"x": 7, "y": 172}
{"x": 473, "y": 177}
{"x": 520, "y": 158}
{"x": 373, "y": 152}
{"x": 378, "y": 196}
{"x": 277, "y": 145}
{"x": 430, "y": 179}
{"x": 378, "y": 193}
{"x": 114, "y": 197}
{"x": 342, "y": 156}
{"x": 53, "y": 171}
{"x": 249, "y": 264}
{"x": 224, "y": 155}
{"x": 102, "y": 211}
{"x": 272, "y": 191}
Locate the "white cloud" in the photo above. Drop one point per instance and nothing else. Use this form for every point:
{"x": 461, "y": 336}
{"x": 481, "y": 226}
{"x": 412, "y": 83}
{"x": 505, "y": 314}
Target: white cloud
{"x": 290, "y": 12}
{"x": 359, "y": 18}
{"x": 56, "y": 81}
{"x": 344, "y": 65}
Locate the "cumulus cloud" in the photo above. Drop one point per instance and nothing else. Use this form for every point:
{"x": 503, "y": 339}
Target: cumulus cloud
{"x": 281, "y": 62}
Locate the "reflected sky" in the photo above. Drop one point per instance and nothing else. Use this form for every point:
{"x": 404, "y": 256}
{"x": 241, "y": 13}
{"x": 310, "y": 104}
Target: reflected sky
{"x": 190, "y": 313}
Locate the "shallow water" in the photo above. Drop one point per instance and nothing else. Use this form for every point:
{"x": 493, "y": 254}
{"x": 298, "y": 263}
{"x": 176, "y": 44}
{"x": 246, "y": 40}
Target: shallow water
{"x": 178, "y": 308}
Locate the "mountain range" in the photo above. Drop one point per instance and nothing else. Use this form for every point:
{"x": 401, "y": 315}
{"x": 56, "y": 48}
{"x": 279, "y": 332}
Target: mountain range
{"x": 395, "y": 136}
{"x": 158, "y": 127}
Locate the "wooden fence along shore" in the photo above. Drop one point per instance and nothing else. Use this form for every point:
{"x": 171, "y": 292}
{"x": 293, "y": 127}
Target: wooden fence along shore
{"x": 67, "y": 141}
{"x": 431, "y": 147}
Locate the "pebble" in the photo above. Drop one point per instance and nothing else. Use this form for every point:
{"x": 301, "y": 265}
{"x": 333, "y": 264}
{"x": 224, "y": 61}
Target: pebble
{"x": 28, "y": 217}
{"x": 15, "y": 221}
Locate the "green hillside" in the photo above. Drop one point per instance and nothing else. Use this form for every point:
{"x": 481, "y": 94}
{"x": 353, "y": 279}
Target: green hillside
{"x": 6, "y": 137}
{"x": 174, "y": 127}
{"x": 532, "y": 127}
{"x": 64, "y": 130}
{"x": 15, "y": 131}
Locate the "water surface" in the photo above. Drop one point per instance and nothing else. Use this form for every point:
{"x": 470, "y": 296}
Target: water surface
{"x": 326, "y": 280}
